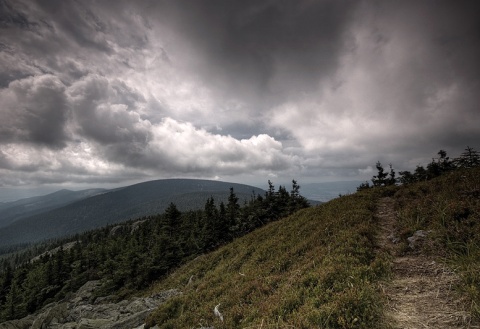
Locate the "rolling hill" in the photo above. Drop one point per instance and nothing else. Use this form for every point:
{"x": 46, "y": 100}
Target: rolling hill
{"x": 15, "y": 210}
{"x": 111, "y": 207}
{"x": 327, "y": 191}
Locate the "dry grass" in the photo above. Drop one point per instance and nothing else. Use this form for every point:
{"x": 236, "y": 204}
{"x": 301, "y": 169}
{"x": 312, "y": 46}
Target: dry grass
{"x": 328, "y": 266}
{"x": 422, "y": 295}
{"x": 316, "y": 269}
{"x": 425, "y": 292}
{"x": 449, "y": 208}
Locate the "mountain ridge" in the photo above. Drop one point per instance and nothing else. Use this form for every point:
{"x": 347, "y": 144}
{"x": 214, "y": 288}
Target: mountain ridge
{"x": 118, "y": 205}
{"x": 22, "y": 208}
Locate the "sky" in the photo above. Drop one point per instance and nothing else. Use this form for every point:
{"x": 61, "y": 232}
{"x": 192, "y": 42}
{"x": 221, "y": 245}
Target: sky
{"x": 109, "y": 93}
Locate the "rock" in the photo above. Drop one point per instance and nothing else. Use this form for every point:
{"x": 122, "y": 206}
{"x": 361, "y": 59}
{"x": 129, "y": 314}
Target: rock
{"x": 116, "y": 230}
{"x": 25, "y": 323}
{"x": 136, "y": 225}
{"x": 79, "y": 312}
{"x": 416, "y": 238}
{"x": 65, "y": 247}
{"x": 393, "y": 238}
{"x": 93, "y": 323}
{"x": 86, "y": 291}
{"x": 52, "y": 313}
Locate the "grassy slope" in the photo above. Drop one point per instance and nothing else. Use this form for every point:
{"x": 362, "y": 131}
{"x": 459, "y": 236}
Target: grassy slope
{"x": 316, "y": 268}
{"x": 449, "y": 208}
{"x": 321, "y": 267}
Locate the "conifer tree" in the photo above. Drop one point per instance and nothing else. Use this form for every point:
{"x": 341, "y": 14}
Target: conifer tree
{"x": 297, "y": 201}
{"x": 380, "y": 178}
{"x": 468, "y": 159}
{"x": 406, "y": 177}
{"x": 420, "y": 174}
{"x": 232, "y": 212}
{"x": 391, "y": 180}
{"x": 213, "y": 227}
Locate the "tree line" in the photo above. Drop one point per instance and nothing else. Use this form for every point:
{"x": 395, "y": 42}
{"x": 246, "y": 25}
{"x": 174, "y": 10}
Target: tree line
{"x": 438, "y": 166}
{"x": 130, "y": 256}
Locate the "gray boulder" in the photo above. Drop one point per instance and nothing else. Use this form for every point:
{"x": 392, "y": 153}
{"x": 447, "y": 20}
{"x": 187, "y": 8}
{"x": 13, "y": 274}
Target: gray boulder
{"x": 417, "y": 238}
{"x": 82, "y": 312}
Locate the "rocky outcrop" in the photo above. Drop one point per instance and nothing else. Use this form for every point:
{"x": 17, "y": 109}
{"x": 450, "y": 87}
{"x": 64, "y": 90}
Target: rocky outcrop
{"x": 65, "y": 247}
{"x": 120, "y": 229}
{"x": 83, "y": 311}
{"x": 416, "y": 239}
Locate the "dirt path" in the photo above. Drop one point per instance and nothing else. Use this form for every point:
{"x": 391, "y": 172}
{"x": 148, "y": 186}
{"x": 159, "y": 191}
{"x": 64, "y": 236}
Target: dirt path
{"x": 421, "y": 294}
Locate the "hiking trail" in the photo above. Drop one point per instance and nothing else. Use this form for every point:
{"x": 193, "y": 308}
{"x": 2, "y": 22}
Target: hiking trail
{"x": 422, "y": 291}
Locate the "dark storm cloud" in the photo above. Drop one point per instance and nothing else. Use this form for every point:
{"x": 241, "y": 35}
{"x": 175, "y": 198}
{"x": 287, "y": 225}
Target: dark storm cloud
{"x": 35, "y": 111}
{"x": 276, "y": 48}
{"x": 103, "y": 114}
{"x": 406, "y": 85}
{"x": 438, "y": 81}
{"x": 10, "y": 17}
{"x": 67, "y": 38}
{"x": 78, "y": 22}
{"x": 94, "y": 89}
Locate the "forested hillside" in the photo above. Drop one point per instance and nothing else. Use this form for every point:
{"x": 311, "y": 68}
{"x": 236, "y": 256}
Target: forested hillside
{"x": 116, "y": 206}
{"x": 15, "y": 210}
{"x": 326, "y": 267}
{"x": 128, "y": 257}
{"x": 274, "y": 264}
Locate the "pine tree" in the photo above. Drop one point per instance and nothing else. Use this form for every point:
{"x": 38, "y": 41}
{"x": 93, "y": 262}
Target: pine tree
{"x": 420, "y": 174}
{"x": 232, "y": 212}
{"x": 169, "y": 239}
{"x": 406, "y": 177}
{"x": 380, "y": 178}
{"x": 13, "y": 307}
{"x": 213, "y": 227}
{"x": 391, "y": 180}
{"x": 297, "y": 201}
{"x": 468, "y": 159}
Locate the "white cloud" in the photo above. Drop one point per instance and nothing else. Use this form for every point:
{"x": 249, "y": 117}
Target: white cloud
{"x": 182, "y": 147}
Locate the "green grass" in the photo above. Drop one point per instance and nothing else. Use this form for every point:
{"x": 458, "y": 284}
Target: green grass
{"x": 316, "y": 269}
{"x": 322, "y": 267}
{"x": 448, "y": 207}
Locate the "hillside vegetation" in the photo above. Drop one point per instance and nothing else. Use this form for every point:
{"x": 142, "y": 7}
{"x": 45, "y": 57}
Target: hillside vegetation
{"x": 115, "y": 206}
{"x": 273, "y": 263}
{"x": 317, "y": 268}
{"x": 128, "y": 257}
{"x": 324, "y": 267}
{"x": 15, "y": 210}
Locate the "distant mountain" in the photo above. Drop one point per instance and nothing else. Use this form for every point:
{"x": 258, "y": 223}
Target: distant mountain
{"x": 328, "y": 190}
{"x": 119, "y": 205}
{"x": 15, "y": 210}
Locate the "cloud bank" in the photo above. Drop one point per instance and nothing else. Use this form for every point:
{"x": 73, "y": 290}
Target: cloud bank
{"x": 109, "y": 92}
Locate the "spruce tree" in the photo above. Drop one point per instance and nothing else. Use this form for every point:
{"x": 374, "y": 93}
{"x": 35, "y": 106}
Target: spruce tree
{"x": 468, "y": 159}
{"x": 232, "y": 212}
{"x": 380, "y": 178}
